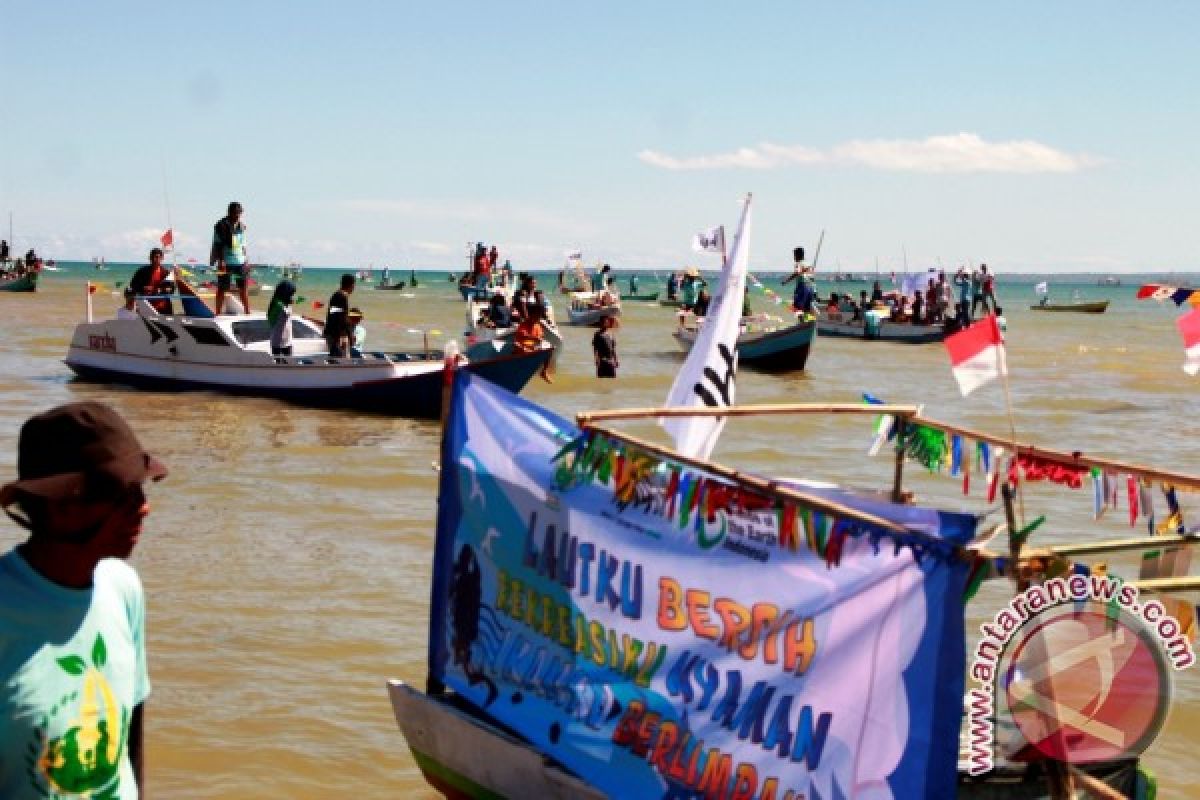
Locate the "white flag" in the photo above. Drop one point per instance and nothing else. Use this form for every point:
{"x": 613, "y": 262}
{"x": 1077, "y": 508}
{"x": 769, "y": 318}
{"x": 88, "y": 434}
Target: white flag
{"x": 708, "y": 375}
{"x": 710, "y": 241}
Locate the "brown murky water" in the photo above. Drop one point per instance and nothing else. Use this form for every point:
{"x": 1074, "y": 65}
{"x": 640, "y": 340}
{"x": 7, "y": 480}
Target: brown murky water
{"x": 286, "y": 558}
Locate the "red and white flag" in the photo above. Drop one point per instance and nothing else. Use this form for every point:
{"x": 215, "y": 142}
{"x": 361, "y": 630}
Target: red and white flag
{"x": 1189, "y": 327}
{"x": 168, "y": 238}
{"x": 977, "y": 354}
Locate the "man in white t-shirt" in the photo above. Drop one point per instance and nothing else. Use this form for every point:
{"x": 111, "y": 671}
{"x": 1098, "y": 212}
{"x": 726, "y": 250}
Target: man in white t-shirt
{"x": 73, "y": 677}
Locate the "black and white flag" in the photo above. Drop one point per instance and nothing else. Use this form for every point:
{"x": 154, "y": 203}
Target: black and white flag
{"x": 708, "y": 375}
{"x": 710, "y": 241}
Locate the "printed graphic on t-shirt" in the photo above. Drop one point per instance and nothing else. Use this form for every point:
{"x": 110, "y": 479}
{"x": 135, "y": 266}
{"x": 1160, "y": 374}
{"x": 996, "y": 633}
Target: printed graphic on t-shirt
{"x": 79, "y": 744}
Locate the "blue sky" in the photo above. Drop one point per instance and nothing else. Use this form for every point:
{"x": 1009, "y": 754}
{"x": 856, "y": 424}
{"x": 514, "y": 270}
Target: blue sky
{"x": 1033, "y": 136}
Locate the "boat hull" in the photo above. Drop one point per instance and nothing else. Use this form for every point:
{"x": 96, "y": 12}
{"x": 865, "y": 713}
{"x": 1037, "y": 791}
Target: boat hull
{"x": 416, "y": 395}
{"x": 592, "y": 316}
{"x": 1098, "y": 307}
{"x": 390, "y": 287}
{"x": 783, "y": 350}
{"x": 648, "y": 297}
{"x": 25, "y": 283}
{"x": 888, "y": 332}
{"x": 464, "y": 756}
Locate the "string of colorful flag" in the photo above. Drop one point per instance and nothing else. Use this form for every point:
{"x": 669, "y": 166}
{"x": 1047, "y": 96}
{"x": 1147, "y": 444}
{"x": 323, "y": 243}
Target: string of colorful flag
{"x": 766, "y": 290}
{"x": 694, "y": 499}
{"x": 960, "y": 457}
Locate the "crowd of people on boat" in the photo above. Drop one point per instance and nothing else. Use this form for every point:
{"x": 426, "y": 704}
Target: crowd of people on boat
{"x": 11, "y": 270}
{"x": 949, "y": 303}
{"x": 486, "y": 268}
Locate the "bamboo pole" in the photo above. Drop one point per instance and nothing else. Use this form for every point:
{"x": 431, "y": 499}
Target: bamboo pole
{"x": 1118, "y": 545}
{"x": 1094, "y": 785}
{"x": 768, "y": 487}
{"x": 585, "y": 418}
{"x": 1183, "y": 583}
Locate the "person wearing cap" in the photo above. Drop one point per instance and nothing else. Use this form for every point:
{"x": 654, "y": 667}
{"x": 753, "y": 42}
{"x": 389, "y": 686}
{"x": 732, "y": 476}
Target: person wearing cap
{"x": 72, "y": 613}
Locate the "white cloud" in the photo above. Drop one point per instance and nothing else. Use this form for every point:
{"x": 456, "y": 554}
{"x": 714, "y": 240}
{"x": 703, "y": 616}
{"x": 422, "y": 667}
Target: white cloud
{"x": 959, "y": 152}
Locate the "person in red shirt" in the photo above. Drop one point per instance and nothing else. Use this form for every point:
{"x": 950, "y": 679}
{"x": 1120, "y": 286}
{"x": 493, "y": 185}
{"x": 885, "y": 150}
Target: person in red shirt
{"x": 154, "y": 279}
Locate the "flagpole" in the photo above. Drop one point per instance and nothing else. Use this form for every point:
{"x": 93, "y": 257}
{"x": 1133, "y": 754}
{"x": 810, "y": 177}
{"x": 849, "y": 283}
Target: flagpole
{"x": 170, "y": 227}
{"x": 1012, "y": 428}
{"x": 724, "y": 257}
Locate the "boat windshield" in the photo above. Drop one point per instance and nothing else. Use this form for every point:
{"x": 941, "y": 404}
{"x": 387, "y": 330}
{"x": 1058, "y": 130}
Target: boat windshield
{"x": 251, "y": 331}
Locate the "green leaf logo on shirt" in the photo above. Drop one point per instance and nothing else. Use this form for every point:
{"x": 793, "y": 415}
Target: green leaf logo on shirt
{"x": 86, "y": 759}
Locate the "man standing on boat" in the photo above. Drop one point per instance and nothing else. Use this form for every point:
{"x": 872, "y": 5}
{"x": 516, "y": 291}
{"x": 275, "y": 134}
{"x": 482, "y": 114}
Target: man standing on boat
{"x": 72, "y": 612}
{"x": 228, "y": 255}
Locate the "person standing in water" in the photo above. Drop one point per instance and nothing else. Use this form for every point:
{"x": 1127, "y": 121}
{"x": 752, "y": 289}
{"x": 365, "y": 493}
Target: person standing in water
{"x": 72, "y": 612}
{"x": 604, "y": 349}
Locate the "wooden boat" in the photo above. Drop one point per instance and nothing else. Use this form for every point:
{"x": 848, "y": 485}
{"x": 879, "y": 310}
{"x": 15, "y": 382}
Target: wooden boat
{"x": 768, "y": 344}
{"x": 1091, "y": 307}
{"x": 483, "y": 342}
{"x": 516, "y": 705}
{"x": 885, "y": 331}
{"x": 381, "y": 286}
{"x": 26, "y": 283}
{"x": 640, "y": 297}
{"x": 231, "y": 354}
{"x": 591, "y": 308}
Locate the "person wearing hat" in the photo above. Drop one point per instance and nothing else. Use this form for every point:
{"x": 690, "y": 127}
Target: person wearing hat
{"x": 690, "y": 288}
{"x": 804, "y": 297}
{"x": 72, "y": 613}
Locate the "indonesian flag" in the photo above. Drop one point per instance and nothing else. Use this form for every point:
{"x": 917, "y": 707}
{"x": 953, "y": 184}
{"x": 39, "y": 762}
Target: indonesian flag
{"x": 1189, "y": 328}
{"x": 977, "y": 354}
{"x": 168, "y": 238}
{"x": 710, "y": 241}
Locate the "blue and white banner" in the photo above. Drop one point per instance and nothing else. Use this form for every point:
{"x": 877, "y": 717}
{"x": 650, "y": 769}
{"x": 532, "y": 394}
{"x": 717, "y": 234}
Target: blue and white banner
{"x": 665, "y": 634}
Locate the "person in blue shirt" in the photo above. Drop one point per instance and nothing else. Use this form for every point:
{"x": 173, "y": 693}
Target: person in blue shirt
{"x": 72, "y": 612}
{"x": 228, "y": 255}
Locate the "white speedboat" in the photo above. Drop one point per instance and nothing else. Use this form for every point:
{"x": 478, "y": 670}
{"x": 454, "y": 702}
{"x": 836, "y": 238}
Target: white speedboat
{"x": 231, "y": 353}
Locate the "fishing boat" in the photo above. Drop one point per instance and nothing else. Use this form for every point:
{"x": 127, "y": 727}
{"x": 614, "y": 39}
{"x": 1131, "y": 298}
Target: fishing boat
{"x": 764, "y": 342}
{"x": 23, "y": 283}
{"x": 484, "y": 341}
{"x": 1080, "y": 307}
{"x": 880, "y": 328}
{"x": 386, "y": 286}
{"x": 640, "y": 297}
{"x": 231, "y": 354}
{"x": 592, "y": 308}
{"x": 611, "y": 617}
